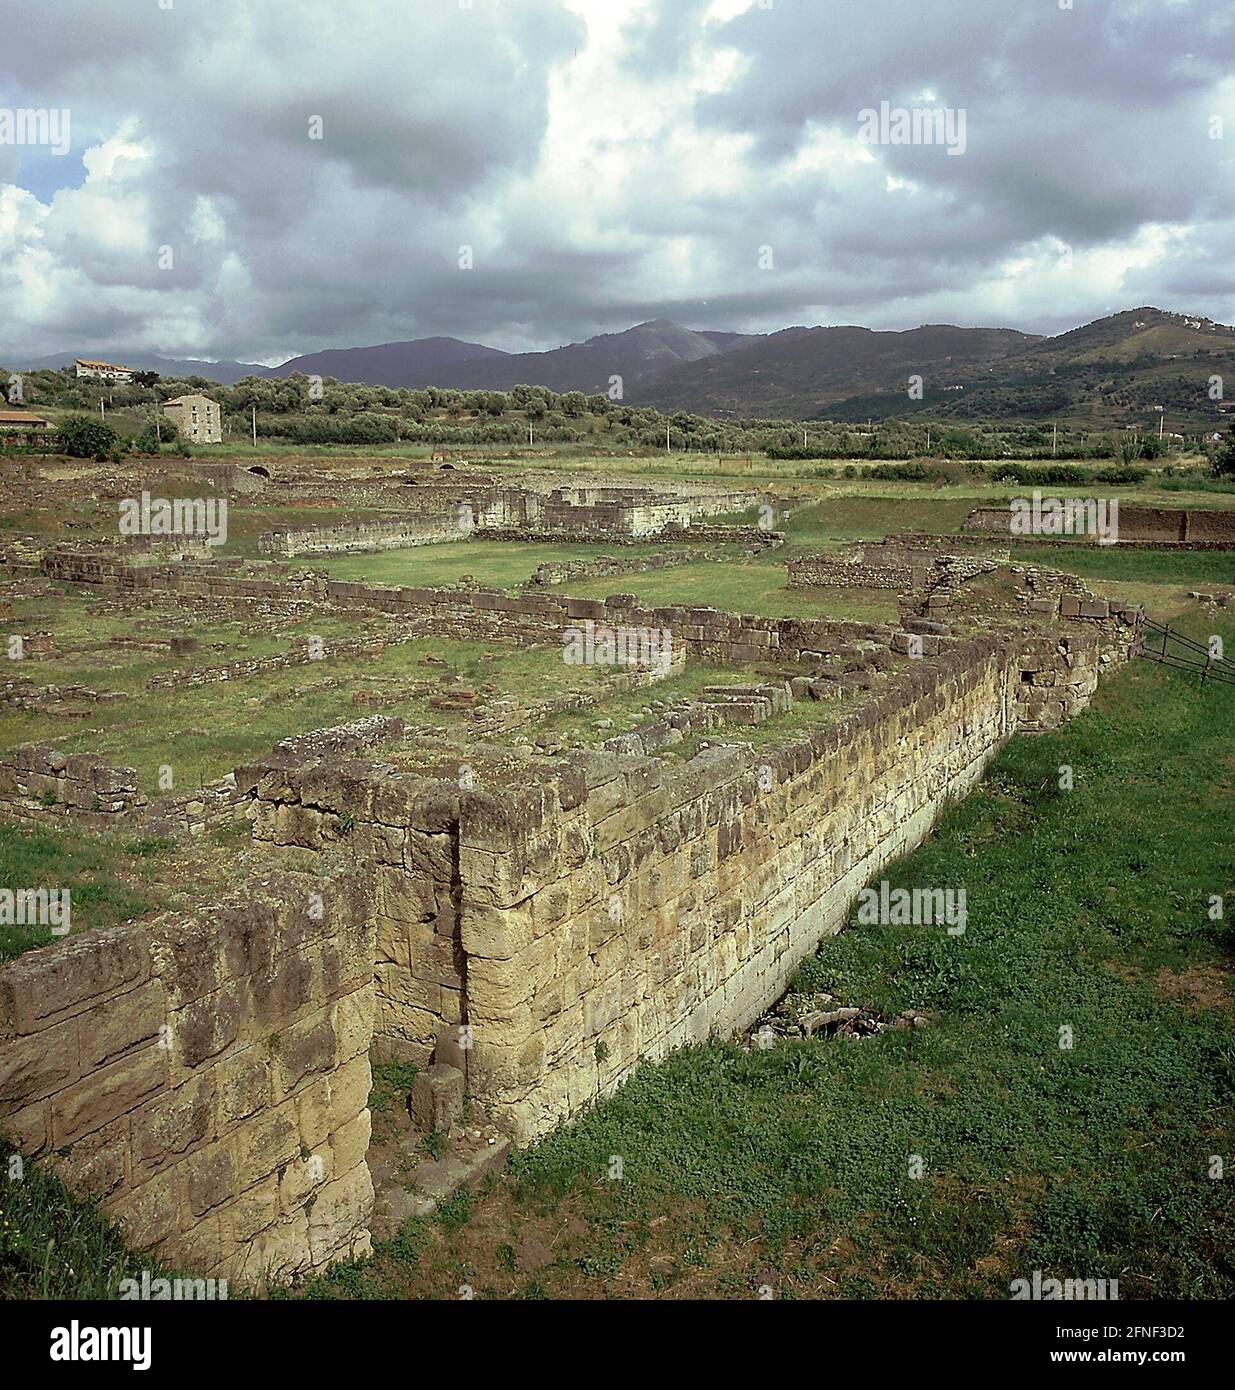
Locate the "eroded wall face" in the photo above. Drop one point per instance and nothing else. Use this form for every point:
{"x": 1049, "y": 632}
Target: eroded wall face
{"x": 1138, "y": 525}
{"x": 404, "y": 831}
{"x": 207, "y": 1080}
{"x": 363, "y": 537}
{"x": 648, "y": 908}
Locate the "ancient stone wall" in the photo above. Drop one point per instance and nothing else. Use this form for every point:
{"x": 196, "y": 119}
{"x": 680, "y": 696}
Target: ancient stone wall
{"x": 896, "y": 564}
{"x": 844, "y": 572}
{"x": 305, "y": 651}
{"x": 479, "y": 612}
{"x": 615, "y": 905}
{"x": 367, "y": 536}
{"x": 1155, "y": 526}
{"x": 206, "y": 1077}
{"x": 40, "y": 783}
{"x": 638, "y": 906}
{"x": 404, "y": 829}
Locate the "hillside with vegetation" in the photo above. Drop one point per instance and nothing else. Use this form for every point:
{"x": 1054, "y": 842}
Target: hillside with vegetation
{"x": 1114, "y": 373}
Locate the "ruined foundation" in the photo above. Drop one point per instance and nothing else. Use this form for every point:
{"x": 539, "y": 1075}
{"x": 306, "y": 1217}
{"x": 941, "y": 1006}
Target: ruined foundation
{"x": 528, "y": 941}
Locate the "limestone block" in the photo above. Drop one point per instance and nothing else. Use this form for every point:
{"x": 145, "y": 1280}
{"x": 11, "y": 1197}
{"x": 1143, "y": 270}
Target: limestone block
{"x": 96, "y": 1165}
{"x": 105, "y": 1094}
{"x": 243, "y": 1085}
{"x": 275, "y": 995}
{"x": 349, "y": 1092}
{"x": 36, "y": 1066}
{"x": 266, "y": 1142}
{"x": 303, "y": 1176}
{"x": 502, "y": 989}
{"x": 42, "y": 987}
{"x": 147, "y": 1213}
{"x": 350, "y": 1143}
{"x": 340, "y": 1216}
{"x": 398, "y": 989}
{"x": 496, "y": 932}
{"x": 209, "y": 1178}
{"x": 353, "y": 1021}
{"x": 302, "y": 1049}
{"x": 173, "y": 1124}
{"x": 206, "y": 1027}
{"x": 404, "y": 896}
{"x": 121, "y": 1024}
{"x": 437, "y": 1098}
{"x": 28, "y": 1128}
{"x": 253, "y": 1211}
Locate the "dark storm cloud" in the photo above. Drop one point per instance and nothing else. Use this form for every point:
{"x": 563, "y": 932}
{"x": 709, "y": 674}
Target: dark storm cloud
{"x": 605, "y": 172}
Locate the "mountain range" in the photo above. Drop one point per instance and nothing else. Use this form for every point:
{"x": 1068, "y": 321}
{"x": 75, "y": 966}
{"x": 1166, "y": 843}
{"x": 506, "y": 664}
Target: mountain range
{"x": 1108, "y": 372}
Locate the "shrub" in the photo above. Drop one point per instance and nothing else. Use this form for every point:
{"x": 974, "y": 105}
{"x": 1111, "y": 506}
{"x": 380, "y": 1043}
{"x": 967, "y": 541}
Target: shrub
{"x": 154, "y": 435}
{"x": 84, "y": 438}
{"x": 1222, "y": 462}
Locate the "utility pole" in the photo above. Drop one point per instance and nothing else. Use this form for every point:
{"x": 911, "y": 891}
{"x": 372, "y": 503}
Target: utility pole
{"x": 668, "y": 449}
{"x": 529, "y": 436}
{"x": 928, "y": 439}
{"x": 1055, "y": 440}
{"x": 255, "y": 426}
{"x": 103, "y": 409}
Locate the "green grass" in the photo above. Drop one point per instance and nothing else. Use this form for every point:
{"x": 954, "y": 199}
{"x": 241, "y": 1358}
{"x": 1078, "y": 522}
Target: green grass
{"x": 98, "y": 872}
{"x": 388, "y": 1098}
{"x": 1190, "y": 567}
{"x": 202, "y": 732}
{"x": 56, "y": 1246}
{"x": 503, "y": 564}
{"x": 753, "y": 586}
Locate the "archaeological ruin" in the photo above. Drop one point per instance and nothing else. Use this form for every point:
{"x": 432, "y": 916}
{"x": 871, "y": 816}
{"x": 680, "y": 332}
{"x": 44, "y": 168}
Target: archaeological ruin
{"x": 525, "y": 920}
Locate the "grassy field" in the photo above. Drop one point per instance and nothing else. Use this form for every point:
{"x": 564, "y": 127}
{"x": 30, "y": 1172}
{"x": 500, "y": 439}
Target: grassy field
{"x": 790, "y": 1168}
{"x": 503, "y": 564}
{"x": 116, "y": 877}
{"x": 202, "y": 732}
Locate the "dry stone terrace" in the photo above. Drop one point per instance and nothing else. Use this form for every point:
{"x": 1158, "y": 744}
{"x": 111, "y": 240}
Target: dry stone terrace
{"x": 523, "y": 889}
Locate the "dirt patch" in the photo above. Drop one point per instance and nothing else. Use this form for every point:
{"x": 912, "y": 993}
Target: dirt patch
{"x": 1197, "y": 987}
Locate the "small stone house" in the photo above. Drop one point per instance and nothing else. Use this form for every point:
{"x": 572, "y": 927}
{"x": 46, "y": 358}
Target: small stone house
{"x": 198, "y": 418}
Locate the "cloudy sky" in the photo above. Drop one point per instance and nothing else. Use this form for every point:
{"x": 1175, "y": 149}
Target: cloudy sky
{"x": 607, "y": 161}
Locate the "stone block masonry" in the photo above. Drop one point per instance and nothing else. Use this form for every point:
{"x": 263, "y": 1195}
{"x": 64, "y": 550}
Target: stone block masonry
{"x": 369, "y": 536}
{"x": 637, "y": 906}
{"x": 206, "y": 1078}
{"x": 1158, "y": 527}
{"x": 303, "y": 652}
{"x": 475, "y": 612}
{"x": 619, "y": 905}
{"x": 546, "y": 933}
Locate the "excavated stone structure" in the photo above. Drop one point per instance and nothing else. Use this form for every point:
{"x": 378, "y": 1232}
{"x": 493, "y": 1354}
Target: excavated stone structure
{"x": 528, "y": 941}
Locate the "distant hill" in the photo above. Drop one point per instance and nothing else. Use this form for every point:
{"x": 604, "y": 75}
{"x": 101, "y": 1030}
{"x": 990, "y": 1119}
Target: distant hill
{"x": 799, "y": 371}
{"x": 1114, "y": 372}
{"x": 422, "y": 362}
{"x": 225, "y": 373}
{"x": 636, "y": 355}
